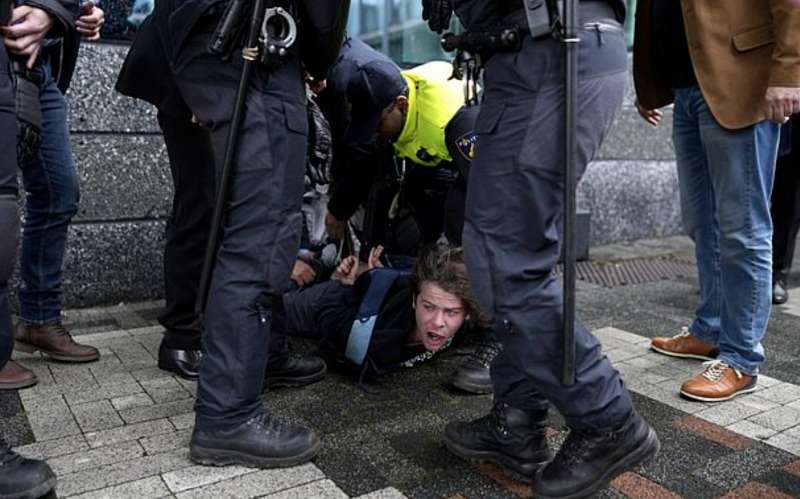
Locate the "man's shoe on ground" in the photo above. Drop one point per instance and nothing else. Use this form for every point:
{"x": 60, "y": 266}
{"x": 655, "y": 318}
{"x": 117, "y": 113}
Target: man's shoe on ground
{"x": 23, "y": 478}
{"x": 263, "y": 442}
{"x": 54, "y": 341}
{"x": 473, "y": 374}
{"x": 685, "y": 345}
{"x": 779, "y": 293}
{"x": 510, "y": 438}
{"x": 14, "y": 376}
{"x": 718, "y": 382}
{"x": 292, "y": 369}
{"x": 589, "y": 460}
{"x": 184, "y": 363}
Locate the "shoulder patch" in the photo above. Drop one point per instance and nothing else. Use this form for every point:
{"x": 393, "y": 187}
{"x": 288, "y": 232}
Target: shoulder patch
{"x": 466, "y": 145}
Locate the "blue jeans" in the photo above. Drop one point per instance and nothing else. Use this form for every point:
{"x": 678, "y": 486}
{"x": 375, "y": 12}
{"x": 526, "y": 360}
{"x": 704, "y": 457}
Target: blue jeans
{"x": 51, "y": 186}
{"x": 725, "y": 184}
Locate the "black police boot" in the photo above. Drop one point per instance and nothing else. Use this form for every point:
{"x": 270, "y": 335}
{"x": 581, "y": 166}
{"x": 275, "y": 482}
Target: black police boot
{"x": 290, "y": 369}
{"x": 21, "y": 477}
{"x": 510, "y": 438}
{"x": 262, "y": 442}
{"x": 779, "y": 293}
{"x": 184, "y": 363}
{"x": 589, "y": 460}
{"x": 473, "y": 374}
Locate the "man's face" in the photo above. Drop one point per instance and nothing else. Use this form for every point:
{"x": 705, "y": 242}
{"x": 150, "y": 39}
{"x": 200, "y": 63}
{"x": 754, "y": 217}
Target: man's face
{"x": 439, "y": 315}
{"x": 393, "y": 119}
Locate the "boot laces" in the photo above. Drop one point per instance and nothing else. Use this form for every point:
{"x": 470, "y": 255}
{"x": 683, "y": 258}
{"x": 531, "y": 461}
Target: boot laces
{"x": 496, "y": 419}
{"x": 268, "y": 423}
{"x": 716, "y": 368}
{"x": 685, "y": 333}
{"x": 485, "y": 352}
{"x": 580, "y": 444}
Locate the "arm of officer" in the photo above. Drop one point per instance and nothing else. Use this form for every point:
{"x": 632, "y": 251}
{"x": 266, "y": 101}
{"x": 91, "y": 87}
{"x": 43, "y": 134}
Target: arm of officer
{"x": 321, "y": 43}
{"x": 91, "y": 21}
{"x": 782, "y": 98}
{"x": 62, "y": 12}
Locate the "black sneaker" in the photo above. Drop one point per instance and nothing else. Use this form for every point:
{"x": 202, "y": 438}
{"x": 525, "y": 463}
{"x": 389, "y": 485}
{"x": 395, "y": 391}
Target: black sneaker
{"x": 589, "y": 460}
{"x": 23, "y": 478}
{"x": 780, "y": 294}
{"x": 262, "y": 442}
{"x": 184, "y": 363}
{"x": 473, "y": 374}
{"x": 510, "y": 438}
{"x": 292, "y": 369}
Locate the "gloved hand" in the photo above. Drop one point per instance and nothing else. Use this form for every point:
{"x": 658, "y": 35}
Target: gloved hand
{"x": 437, "y": 13}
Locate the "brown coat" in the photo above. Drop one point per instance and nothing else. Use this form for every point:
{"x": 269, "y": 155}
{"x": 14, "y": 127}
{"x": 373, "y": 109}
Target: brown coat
{"x": 737, "y": 47}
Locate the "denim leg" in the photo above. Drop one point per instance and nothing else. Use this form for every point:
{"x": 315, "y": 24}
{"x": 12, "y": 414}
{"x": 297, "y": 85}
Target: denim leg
{"x": 9, "y": 220}
{"x": 51, "y": 186}
{"x": 699, "y": 218}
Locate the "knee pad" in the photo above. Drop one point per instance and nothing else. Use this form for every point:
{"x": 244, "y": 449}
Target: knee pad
{"x": 9, "y": 228}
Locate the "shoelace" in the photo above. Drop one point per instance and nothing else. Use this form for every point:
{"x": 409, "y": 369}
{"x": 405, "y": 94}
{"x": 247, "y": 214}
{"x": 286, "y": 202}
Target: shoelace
{"x": 683, "y": 334}
{"x": 715, "y": 369}
{"x": 270, "y": 424}
{"x": 485, "y": 353}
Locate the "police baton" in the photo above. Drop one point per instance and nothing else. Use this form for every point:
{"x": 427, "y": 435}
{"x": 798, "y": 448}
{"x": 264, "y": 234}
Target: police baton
{"x": 570, "y": 40}
{"x": 249, "y": 54}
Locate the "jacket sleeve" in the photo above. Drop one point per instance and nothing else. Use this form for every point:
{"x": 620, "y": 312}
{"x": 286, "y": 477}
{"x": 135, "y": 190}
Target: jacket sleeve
{"x": 321, "y": 39}
{"x": 786, "y": 54}
{"x": 63, "y": 12}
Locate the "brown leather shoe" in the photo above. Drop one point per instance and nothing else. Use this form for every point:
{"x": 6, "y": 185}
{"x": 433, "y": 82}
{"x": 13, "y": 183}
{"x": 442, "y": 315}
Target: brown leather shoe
{"x": 684, "y": 345}
{"x": 718, "y": 382}
{"x": 54, "y": 341}
{"x": 14, "y": 376}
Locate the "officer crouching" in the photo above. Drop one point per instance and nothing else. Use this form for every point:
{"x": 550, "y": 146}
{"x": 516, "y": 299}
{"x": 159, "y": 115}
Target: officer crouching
{"x": 514, "y": 218}
{"x": 262, "y": 220}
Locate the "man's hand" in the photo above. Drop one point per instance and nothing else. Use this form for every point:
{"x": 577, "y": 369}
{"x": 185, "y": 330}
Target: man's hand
{"x": 336, "y": 228}
{"x": 652, "y": 116}
{"x": 375, "y": 258}
{"x": 302, "y": 273}
{"x": 347, "y": 271}
{"x": 91, "y": 21}
{"x": 437, "y": 13}
{"x": 26, "y": 31}
{"x": 781, "y": 102}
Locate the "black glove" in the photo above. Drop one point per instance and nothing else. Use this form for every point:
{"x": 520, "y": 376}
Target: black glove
{"x": 437, "y": 13}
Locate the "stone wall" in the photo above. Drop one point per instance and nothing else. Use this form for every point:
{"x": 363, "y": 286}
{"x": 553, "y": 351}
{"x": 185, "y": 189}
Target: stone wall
{"x": 116, "y": 241}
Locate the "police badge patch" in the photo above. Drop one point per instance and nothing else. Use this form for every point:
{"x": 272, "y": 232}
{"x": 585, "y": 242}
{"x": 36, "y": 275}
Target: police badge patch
{"x": 466, "y": 145}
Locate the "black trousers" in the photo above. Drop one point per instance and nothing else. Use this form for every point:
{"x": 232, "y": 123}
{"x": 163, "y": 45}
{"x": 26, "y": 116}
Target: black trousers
{"x": 785, "y": 206}
{"x": 9, "y": 219}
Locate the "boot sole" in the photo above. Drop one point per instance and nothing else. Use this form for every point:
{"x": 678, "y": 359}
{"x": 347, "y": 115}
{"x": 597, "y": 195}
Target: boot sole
{"x": 36, "y": 492}
{"x": 219, "y": 457}
{"x": 640, "y": 455}
{"x": 24, "y": 347}
{"x": 718, "y": 399}
{"x": 178, "y": 373}
{"x": 19, "y": 384}
{"x": 681, "y": 355}
{"x": 472, "y": 388}
{"x": 293, "y": 382}
{"x": 508, "y": 466}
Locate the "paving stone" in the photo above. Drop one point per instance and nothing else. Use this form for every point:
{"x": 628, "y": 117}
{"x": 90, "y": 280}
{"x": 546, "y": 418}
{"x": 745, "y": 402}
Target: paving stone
{"x": 116, "y": 375}
{"x": 793, "y": 432}
{"x": 94, "y": 416}
{"x": 105, "y": 338}
{"x": 738, "y": 468}
{"x": 139, "y": 331}
{"x": 149, "y": 373}
{"x": 120, "y": 473}
{"x": 130, "y": 401}
{"x": 103, "y": 392}
{"x": 387, "y": 493}
{"x": 146, "y": 488}
{"x": 54, "y": 448}
{"x": 134, "y": 355}
{"x": 183, "y": 421}
{"x": 129, "y": 432}
{"x": 94, "y": 458}
{"x": 727, "y": 413}
{"x": 751, "y": 430}
{"x": 782, "y": 393}
{"x": 670, "y": 397}
{"x": 50, "y": 418}
{"x": 157, "y": 411}
{"x": 622, "y": 354}
{"x": 322, "y": 489}
{"x": 767, "y": 381}
{"x": 645, "y": 362}
{"x": 618, "y": 334}
{"x": 778, "y": 419}
{"x": 198, "y": 476}
{"x": 165, "y": 390}
{"x": 78, "y": 376}
{"x": 257, "y": 483}
{"x": 786, "y": 443}
{"x": 166, "y": 442}
{"x": 753, "y": 400}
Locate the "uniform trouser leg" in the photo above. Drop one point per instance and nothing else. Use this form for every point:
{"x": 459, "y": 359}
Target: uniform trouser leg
{"x": 514, "y": 222}
{"x": 262, "y": 225}
{"x": 9, "y": 220}
{"x": 191, "y": 161}
{"x": 785, "y": 207}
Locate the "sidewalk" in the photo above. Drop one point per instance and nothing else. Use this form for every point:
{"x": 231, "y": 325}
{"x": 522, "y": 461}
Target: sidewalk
{"x": 120, "y": 427}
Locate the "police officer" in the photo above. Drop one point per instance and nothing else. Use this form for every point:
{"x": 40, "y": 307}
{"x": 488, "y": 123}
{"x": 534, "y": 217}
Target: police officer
{"x": 511, "y": 240}
{"x": 262, "y": 215}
